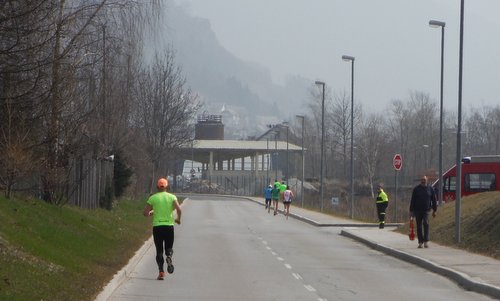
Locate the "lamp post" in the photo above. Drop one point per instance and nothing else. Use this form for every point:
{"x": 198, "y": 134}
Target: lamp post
{"x": 437, "y": 24}
{"x": 322, "y": 84}
{"x": 267, "y": 168}
{"x": 348, "y": 58}
{"x": 302, "y": 117}
{"x": 459, "y": 129}
{"x": 275, "y": 153}
{"x": 285, "y": 123}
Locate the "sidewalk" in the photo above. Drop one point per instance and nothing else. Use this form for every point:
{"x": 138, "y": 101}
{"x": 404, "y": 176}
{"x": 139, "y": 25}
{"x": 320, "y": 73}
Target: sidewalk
{"x": 473, "y": 272}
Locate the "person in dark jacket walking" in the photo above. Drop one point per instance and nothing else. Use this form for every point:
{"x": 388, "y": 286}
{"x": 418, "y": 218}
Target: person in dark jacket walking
{"x": 423, "y": 199}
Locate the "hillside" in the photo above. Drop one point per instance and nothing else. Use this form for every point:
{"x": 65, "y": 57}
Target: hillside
{"x": 244, "y": 89}
{"x": 64, "y": 253}
{"x": 480, "y": 226}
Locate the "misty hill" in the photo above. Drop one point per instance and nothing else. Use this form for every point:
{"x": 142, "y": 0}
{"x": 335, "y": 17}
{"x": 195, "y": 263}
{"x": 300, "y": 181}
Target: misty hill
{"x": 243, "y": 92}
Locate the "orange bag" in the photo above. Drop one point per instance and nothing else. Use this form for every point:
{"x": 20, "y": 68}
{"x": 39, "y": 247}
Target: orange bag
{"x": 411, "y": 235}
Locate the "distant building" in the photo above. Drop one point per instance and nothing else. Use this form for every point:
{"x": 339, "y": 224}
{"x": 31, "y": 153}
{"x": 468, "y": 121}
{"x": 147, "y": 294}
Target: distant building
{"x": 238, "y": 164}
{"x": 209, "y": 127}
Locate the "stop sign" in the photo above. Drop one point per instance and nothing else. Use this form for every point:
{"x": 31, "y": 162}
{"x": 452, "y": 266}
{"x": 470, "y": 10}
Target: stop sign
{"x": 397, "y": 162}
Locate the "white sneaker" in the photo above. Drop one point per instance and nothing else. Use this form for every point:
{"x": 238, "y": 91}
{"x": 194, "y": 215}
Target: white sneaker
{"x": 420, "y": 246}
{"x": 426, "y": 245}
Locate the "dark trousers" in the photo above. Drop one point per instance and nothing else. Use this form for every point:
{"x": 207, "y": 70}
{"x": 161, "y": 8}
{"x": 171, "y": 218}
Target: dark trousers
{"x": 381, "y": 211}
{"x": 422, "y": 219}
{"x": 163, "y": 237}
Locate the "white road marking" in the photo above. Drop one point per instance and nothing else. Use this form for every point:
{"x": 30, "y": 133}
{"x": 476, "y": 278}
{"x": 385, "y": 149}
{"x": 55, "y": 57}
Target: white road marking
{"x": 297, "y": 276}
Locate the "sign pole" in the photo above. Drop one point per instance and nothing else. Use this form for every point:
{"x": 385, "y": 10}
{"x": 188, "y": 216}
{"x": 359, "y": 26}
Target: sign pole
{"x": 396, "y": 196}
{"x": 397, "y": 163}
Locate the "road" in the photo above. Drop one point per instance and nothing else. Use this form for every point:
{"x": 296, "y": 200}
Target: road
{"x": 231, "y": 249}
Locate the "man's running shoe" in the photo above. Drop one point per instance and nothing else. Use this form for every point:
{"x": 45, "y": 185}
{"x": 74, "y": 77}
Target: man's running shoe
{"x": 170, "y": 266}
{"x": 161, "y": 276}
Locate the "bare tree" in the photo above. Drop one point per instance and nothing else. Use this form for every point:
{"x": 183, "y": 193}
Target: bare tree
{"x": 413, "y": 132}
{"x": 340, "y": 128}
{"x": 340, "y": 121}
{"x": 315, "y": 107}
{"x": 483, "y": 130}
{"x": 15, "y": 158}
{"x": 425, "y": 129}
{"x": 371, "y": 143}
{"x": 399, "y": 129}
{"x": 24, "y": 39}
{"x": 49, "y": 53}
{"x": 165, "y": 111}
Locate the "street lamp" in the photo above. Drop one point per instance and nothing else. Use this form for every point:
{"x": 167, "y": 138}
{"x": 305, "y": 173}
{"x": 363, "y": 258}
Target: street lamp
{"x": 275, "y": 155}
{"x": 322, "y": 84}
{"x": 285, "y": 123}
{"x": 267, "y": 169}
{"x": 348, "y": 58}
{"x": 437, "y": 24}
{"x": 425, "y": 146}
{"x": 302, "y": 117}
{"x": 274, "y": 165}
{"x": 458, "y": 199}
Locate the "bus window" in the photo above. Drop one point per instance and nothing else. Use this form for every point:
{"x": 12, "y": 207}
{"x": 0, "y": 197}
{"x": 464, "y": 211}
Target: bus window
{"x": 449, "y": 184}
{"x": 477, "y": 182}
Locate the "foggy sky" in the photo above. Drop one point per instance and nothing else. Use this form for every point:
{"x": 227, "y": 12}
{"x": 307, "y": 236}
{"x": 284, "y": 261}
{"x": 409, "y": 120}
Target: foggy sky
{"x": 395, "y": 49}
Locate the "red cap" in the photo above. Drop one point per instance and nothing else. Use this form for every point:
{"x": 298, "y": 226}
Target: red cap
{"x": 162, "y": 183}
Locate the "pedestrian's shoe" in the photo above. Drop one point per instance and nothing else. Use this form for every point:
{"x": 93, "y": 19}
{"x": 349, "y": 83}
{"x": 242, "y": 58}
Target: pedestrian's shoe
{"x": 168, "y": 259}
{"x": 161, "y": 275}
{"x": 170, "y": 266}
{"x": 426, "y": 245}
{"x": 420, "y": 246}
{"x": 381, "y": 226}
{"x": 275, "y": 213}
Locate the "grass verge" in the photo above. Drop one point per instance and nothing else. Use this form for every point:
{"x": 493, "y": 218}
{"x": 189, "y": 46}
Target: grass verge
{"x": 65, "y": 253}
{"x": 480, "y": 224}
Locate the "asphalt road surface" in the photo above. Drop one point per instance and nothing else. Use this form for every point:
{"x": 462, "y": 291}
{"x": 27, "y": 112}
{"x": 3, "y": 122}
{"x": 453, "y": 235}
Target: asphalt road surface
{"x": 232, "y": 249}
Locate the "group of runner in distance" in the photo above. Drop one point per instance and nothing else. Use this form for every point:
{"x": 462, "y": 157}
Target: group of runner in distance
{"x": 276, "y": 193}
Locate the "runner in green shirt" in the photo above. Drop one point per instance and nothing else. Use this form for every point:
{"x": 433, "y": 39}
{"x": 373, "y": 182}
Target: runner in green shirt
{"x": 161, "y": 205}
{"x": 276, "y": 196}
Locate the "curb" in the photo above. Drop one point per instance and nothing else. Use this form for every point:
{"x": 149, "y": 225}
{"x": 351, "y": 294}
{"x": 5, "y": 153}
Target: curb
{"x": 124, "y": 273}
{"x": 462, "y": 279}
{"x": 316, "y": 224}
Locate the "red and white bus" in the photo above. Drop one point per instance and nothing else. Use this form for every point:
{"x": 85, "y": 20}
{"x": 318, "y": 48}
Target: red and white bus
{"x": 479, "y": 174}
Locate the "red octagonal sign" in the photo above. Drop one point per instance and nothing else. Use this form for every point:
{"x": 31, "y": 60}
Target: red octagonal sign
{"x": 397, "y": 162}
